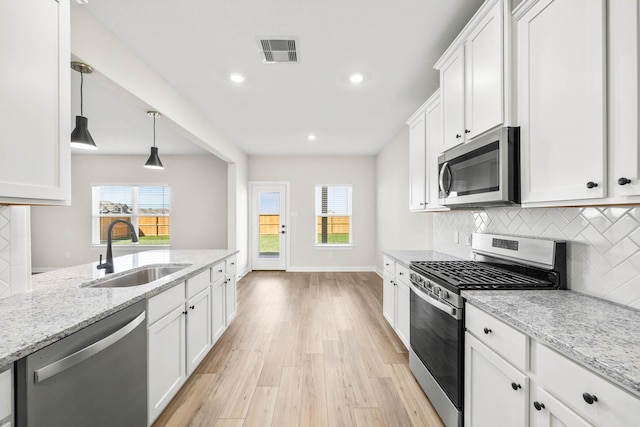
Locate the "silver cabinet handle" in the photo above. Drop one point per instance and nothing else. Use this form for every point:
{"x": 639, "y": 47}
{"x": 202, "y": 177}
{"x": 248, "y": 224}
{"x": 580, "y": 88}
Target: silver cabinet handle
{"x": 445, "y": 166}
{"x": 85, "y": 353}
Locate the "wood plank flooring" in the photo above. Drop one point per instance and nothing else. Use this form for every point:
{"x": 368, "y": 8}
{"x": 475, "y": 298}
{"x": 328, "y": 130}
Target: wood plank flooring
{"x": 306, "y": 349}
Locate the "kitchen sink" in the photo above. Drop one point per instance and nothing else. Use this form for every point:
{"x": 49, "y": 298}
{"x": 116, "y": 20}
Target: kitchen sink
{"x": 138, "y": 277}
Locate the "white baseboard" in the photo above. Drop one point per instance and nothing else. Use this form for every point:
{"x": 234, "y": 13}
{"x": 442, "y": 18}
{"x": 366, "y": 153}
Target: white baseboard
{"x": 243, "y": 273}
{"x": 379, "y": 272}
{"x": 331, "y": 269}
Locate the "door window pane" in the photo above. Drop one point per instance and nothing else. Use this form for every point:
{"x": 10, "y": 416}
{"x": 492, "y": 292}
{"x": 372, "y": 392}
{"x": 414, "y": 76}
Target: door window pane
{"x": 269, "y": 224}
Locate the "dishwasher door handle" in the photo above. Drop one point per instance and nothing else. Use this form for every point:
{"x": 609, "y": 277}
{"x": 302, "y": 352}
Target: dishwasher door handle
{"x": 85, "y": 353}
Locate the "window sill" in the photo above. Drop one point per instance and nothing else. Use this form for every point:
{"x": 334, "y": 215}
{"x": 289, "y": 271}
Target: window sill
{"x": 334, "y": 247}
{"x": 130, "y": 247}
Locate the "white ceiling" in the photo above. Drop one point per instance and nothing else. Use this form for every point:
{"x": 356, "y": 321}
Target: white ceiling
{"x": 196, "y": 44}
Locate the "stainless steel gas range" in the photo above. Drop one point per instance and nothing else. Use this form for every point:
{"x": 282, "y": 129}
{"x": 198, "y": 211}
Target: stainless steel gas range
{"x": 436, "y": 356}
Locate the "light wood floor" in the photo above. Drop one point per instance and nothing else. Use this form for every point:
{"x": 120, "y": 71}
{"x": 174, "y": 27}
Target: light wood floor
{"x": 306, "y": 349}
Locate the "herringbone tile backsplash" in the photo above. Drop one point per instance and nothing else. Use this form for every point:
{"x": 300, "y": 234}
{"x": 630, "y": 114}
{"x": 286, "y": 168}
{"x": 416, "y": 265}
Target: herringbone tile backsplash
{"x": 5, "y": 251}
{"x": 603, "y": 243}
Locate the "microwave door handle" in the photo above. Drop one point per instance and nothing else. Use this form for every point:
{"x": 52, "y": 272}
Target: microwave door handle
{"x": 445, "y": 191}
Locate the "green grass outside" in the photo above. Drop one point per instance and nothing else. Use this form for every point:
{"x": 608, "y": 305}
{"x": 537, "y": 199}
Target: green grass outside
{"x": 269, "y": 243}
{"x": 335, "y": 239}
{"x": 144, "y": 240}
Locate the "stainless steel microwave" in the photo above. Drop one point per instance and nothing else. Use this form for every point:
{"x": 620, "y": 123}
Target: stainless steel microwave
{"x": 483, "y": 172}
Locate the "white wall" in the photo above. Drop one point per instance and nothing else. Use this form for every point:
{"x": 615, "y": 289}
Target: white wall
{"x": 396, "y": 227}
{"x": 303, "y": 174}
{"x": 61, "y": 235}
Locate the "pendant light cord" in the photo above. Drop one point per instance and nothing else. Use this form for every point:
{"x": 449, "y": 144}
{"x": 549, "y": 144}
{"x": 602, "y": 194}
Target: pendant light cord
{"x": 154, "y": 130}
{"x": 81, "y": 100}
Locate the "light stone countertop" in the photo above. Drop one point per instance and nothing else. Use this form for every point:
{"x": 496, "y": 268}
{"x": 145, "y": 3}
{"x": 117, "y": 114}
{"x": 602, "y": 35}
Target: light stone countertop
{"x": 405, "y": 257}
{"x": 596, "y": 333}
{"x": 58, "y": 306}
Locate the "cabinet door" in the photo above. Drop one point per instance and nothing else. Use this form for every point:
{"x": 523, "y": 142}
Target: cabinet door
{"x": 561, "y": 100}
{"x": 452, "y": 98}
{"x": 484, "y": 99}
{"x": 230, "y": 298}
{"x": 35, "y": 165}
{"x": 496, "y": 394}
{"x": 198, "y": 329}
{"x": 435, "y": 146}
{"x": 167, "y": 367}
{"x": 218, "y": 317}
{"x": 624, "y": 154}
{"x": 547, "y": 411}
{"x": 6, "y": 396}
{"x": 417, "y": 164}
{"x": 402, "y": 312}
{"x": 389, "y": 298}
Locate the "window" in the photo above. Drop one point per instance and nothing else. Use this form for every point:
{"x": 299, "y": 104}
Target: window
{"x": 333, "y": 215}
{"x": 146, "y": 207}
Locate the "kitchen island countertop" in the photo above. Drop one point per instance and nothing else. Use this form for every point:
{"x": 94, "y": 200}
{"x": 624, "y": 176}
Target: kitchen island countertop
{"x": 59, "y": 306}
{"x": 596, "y": 333}
{"x": 404, "y": 257}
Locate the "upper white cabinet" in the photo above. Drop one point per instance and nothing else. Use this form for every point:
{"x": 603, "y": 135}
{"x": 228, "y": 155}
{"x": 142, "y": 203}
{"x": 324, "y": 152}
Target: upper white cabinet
{"x": 475, "y": 76}
{"x": 561, "y": 99}
{"x": 425, "y": 144}
{"x": 35, "y": 164}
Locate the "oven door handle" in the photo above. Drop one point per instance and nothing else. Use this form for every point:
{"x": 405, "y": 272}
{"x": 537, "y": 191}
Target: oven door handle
{"x": 451, "y": 311}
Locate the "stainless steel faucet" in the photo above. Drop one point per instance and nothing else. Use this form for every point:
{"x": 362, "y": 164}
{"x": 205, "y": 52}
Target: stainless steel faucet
{"x": 108, "y": 264}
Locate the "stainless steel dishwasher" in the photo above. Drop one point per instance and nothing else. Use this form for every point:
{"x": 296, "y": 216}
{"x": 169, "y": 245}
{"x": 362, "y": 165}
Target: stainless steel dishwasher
{"x": 94, "y": 377}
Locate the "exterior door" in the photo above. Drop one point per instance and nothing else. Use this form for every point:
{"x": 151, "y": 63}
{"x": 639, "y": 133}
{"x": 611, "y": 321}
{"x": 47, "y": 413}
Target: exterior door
{"x": 269, "y": 226}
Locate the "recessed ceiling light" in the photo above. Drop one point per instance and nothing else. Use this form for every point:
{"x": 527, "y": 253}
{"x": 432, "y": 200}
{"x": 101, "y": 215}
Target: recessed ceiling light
{"x": 311, "y": 137}
{"x": 237, "y": 78}
{"x": 356, "y": 78}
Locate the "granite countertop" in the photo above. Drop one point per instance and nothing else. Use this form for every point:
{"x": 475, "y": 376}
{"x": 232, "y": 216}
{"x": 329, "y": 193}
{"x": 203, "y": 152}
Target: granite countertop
{"x": 596, "y": 333}
{"x": 59, "y": 306}
{"x": 405, "y": 257}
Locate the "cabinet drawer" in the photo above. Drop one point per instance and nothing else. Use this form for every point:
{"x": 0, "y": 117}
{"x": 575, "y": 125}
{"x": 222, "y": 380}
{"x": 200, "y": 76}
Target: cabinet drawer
{"x": 569, "y": 381}
{"x": 510, "y": 343}
{"x": 217, "y": 272}
{"x": 198, "y": 282}
{"x": 389, "y": 265}
{"x": 230, "y": 264}
{"x": 6, "y": 389}
{"x": 163, "y": 303}
{"x": 402, "y": 274}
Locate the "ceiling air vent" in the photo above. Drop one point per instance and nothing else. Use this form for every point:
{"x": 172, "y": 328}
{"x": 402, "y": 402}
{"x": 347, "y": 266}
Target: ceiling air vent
{"x": 279, "y": 50}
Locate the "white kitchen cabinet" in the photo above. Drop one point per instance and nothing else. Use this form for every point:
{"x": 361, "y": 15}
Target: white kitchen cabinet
{"x": 6, "y": 397}
{"x": 417, "y": 161}
{"x": 198, "y": 328}
{"x": 396, "y": 304}
{"x": 475, "y": 76}
{"x": 496, "y": 393}
{"x": 35, "y": 165}
{"x": 425, "y": 144}
{"x": 230, "y": 289}
{"x": 218, "y": 317}
{"x": 167, "y": 359}
{"x": 547, "y": 411}
{"x": 561, "y": 64}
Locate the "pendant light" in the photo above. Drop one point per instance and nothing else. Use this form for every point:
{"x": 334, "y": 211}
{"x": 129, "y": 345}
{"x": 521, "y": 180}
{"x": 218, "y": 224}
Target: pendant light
{"x": 154, "y": 161}
{"x": 80, "y": 137}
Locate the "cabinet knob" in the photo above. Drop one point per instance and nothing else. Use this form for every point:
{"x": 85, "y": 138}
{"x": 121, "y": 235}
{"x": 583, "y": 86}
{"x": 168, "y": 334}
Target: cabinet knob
{"x": 185, "y": 312}
{"x": 467, "y": 131}
{"x": 589, "y": 398}
{"x": 539, "y": 406}
{"x": 487, "y": 331}
{"x": 591, "y": 184}
{"x": 401, "y": 273}
{"x": 192, "y": 307}
{"x": 624, "y": 181}
{"x": 458, "y": 136}
{"x": 515, "y": 386}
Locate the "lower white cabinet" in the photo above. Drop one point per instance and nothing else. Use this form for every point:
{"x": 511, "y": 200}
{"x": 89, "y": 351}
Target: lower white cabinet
{"x": 198, "y": 328}
{"x": 218, "y": 316}
{"x": 6, "y": 397}
{"x": 496, "y": 393}
{"x": 552, "y": 391}
{"x": 230, "y": 298}
{"x": 396, "y": 295}
{"x": 167, "y": 354}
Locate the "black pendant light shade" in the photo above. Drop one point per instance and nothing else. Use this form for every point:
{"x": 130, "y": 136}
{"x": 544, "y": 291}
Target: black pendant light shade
{"x": 80, "y": 137}
{"x": 153, "y": 162}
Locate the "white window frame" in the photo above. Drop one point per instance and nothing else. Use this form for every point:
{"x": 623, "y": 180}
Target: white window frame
{"x": 133, "y": 217}
{"x": 333, "y": 246}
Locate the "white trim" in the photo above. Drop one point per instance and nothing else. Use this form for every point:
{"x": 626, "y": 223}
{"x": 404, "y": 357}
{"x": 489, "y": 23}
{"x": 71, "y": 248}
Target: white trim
{"x": 370, "y": 268}
{"x": 379, "y": 272}
{"x": 331, "y": 247}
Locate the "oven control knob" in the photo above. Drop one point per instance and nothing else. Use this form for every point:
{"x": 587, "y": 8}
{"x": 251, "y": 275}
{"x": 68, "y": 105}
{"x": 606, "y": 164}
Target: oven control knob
{"x": 436, "y": 290}
{"x": 413, "y": 277}
{"x": 429, "y": 285}
{"x": 444, "y": 294}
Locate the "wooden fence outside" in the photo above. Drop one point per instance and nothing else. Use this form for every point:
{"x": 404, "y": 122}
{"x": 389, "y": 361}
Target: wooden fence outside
{"x": 269, "y": 224}
{"x": 147, "y": 226}
{"x": 335, "y": 224}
